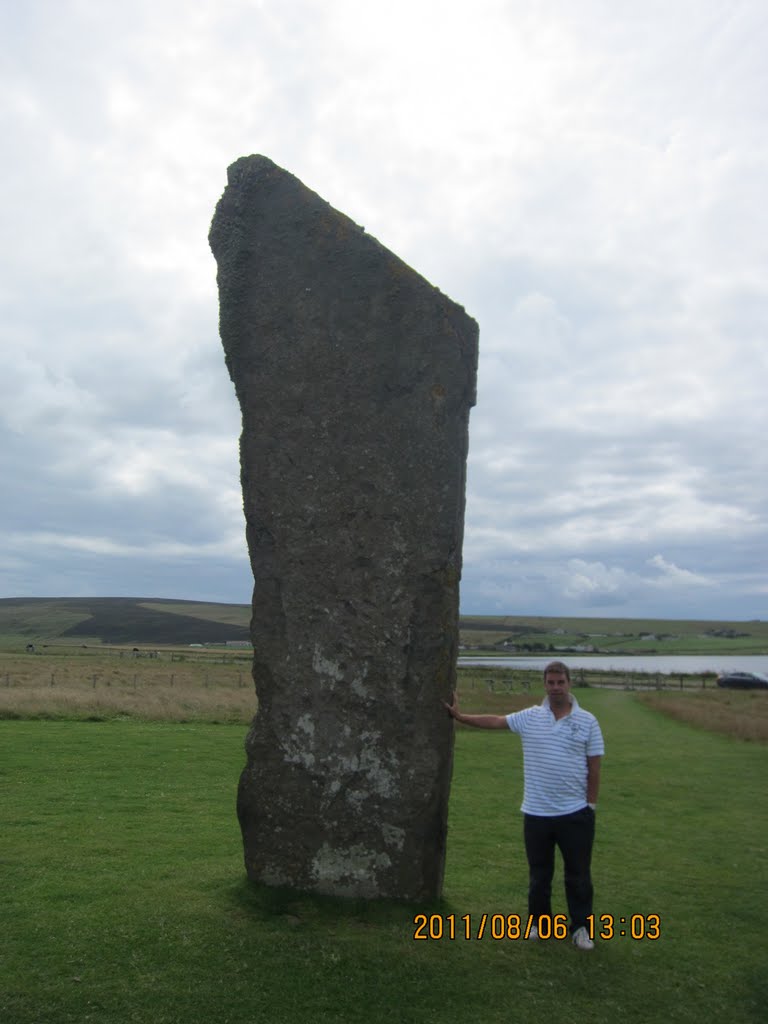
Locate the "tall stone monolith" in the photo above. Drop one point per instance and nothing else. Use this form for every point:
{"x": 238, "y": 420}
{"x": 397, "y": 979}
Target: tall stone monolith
{"x": 355, "y": 378}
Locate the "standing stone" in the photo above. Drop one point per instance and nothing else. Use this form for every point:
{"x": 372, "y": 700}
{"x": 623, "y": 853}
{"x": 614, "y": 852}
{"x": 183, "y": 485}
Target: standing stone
{"x": 355, "y": 378}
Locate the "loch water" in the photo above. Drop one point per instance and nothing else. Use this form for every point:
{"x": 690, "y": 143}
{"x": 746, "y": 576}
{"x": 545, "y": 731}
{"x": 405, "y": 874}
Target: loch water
{"x": 662, "y": 664}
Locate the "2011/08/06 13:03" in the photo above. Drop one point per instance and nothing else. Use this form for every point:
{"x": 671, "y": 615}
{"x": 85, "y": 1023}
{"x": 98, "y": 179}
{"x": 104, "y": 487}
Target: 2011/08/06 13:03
{"x": 513, "y": 926}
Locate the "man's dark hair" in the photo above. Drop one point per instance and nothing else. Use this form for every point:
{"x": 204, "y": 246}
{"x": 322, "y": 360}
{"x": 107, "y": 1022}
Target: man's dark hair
{"x": 558, "y": 666}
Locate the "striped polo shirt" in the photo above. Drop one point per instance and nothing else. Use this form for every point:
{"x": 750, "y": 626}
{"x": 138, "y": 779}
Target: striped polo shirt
{"x": 555, "y": 755}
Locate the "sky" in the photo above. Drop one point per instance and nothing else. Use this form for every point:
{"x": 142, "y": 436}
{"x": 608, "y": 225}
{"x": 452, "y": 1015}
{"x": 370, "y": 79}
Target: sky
{"x": 586, "y": 177}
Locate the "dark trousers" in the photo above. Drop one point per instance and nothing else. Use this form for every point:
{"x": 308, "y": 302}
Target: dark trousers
{"x": 574, "y": 834}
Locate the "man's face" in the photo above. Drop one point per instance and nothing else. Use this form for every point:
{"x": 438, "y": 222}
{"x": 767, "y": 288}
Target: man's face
{"x": 558, "y": 687}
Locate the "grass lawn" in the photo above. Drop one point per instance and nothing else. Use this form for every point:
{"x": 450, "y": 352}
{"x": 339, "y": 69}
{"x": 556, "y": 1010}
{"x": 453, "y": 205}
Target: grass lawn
{"x": 124, "y": 897}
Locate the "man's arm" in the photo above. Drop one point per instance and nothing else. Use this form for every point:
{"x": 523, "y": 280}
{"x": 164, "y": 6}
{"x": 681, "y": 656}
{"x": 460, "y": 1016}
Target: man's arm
{"x": 478, "y": 721}
{"x": 593, "y": 778}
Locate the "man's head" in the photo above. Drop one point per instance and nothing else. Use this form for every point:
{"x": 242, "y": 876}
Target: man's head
{"x": 557, "y": 683}
{"x": 557, "y": 668}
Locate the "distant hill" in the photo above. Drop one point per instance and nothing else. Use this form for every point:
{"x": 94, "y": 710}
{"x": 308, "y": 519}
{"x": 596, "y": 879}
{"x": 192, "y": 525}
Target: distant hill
{"x": 161, "y": 622}
{"x": 122, "y": 620}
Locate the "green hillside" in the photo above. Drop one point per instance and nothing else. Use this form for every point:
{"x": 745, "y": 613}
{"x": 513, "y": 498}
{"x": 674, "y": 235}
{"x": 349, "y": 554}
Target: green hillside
{"x": 159, "y": 622}
{"x": 120, "y": 620}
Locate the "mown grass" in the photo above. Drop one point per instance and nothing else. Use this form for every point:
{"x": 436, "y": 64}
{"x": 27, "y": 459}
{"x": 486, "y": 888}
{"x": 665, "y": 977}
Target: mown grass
{"x": 124, "y": 896}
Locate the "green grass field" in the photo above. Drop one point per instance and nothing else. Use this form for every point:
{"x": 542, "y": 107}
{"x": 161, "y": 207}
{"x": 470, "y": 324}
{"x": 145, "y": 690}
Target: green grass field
{"x": 124, "y": 899}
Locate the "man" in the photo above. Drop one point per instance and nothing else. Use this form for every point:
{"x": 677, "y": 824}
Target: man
{"x": 562, "y": 751}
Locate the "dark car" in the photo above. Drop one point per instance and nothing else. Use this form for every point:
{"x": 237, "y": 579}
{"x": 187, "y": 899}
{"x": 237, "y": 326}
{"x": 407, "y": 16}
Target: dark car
{"x": 743, "y": 681}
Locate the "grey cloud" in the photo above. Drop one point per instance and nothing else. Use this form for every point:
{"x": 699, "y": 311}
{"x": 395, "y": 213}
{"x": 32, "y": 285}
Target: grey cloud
{"x": 588, "y": 187}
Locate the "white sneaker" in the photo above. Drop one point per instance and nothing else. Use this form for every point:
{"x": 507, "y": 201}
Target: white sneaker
{"x": 581, "y": 940}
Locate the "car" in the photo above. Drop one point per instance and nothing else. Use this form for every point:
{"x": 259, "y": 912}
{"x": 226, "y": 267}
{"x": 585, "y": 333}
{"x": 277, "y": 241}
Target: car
{"x": 743, "y": 681}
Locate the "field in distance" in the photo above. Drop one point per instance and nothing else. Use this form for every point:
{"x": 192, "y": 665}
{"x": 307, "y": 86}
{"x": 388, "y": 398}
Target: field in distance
{"x": 166, "y": 623}
{"x": 538, "y": 634}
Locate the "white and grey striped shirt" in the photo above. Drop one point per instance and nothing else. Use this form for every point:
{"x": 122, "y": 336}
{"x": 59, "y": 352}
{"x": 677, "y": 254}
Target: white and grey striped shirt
{"x": 555, "y": 753}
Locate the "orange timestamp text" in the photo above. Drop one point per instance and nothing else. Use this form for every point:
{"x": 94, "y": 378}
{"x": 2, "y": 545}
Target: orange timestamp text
{"x": 491, "y": 926}
{"x": 635, "y": 926}
{"x": 500, "y": 927}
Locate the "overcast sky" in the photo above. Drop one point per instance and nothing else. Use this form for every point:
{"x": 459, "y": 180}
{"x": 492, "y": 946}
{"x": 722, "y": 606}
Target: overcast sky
{"x": 586, "y": 177}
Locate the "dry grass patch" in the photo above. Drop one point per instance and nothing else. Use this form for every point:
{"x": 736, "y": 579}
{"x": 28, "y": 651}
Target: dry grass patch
{"x": 99, "y": 688}
{"x": 742, "y": 714}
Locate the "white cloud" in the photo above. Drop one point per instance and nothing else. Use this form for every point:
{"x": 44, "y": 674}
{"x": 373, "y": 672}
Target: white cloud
{"x": 95, "y": 545}
{"x": 673, "y": 575}
{"x": 587, "y": 581}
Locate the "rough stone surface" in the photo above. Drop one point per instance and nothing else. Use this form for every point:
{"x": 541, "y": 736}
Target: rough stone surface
{"x": 355, "y": 378}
